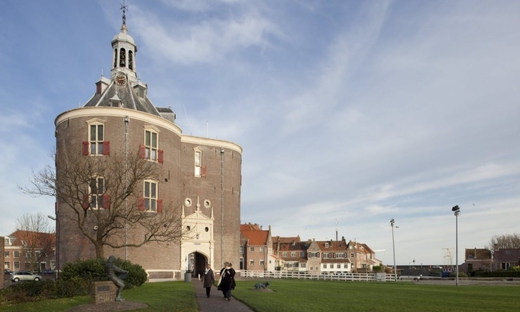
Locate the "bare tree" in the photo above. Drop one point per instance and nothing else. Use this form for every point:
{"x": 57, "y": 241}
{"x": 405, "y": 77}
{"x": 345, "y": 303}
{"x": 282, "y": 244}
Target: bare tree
{"x": 37, "y": 238}
{"x": 106, "y": 193}
{"x": 507, "y": 241}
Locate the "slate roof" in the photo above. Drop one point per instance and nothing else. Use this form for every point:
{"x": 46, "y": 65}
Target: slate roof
{"x": 507, "y": 255}
{"x": 129, "y": 99}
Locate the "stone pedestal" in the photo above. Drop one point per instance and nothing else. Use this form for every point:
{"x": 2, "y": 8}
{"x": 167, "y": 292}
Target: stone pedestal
{"x": 102, "y": 292}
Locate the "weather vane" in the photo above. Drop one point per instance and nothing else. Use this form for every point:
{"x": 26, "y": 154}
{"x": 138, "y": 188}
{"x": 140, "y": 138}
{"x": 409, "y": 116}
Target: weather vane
{"x": 124, "y": 8}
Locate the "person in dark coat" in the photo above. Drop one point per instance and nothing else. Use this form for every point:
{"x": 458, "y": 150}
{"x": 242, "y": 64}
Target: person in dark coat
{"x": 227, "y": 280}
{"x": 208, "y": 279}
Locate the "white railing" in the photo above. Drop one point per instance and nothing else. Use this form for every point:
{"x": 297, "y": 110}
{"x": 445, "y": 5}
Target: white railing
{"x": 364, "y": 277}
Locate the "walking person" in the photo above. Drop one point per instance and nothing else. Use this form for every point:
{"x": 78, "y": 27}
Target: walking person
{"x": 208, "y": 279}
{"x": 227, "y": 280}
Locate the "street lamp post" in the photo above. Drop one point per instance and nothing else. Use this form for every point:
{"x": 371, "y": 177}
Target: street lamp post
{"x": 456, "y": 212}
{"x": 392, "y": 222}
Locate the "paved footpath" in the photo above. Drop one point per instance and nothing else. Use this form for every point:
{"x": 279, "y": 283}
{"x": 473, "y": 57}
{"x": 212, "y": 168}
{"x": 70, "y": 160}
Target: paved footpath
{"x": 216, "y": 301}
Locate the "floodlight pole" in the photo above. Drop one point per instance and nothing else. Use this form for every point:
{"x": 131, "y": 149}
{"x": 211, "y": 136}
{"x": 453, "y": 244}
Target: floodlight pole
{"x": 456, "y": 212}
{"x": 392, "y": 222}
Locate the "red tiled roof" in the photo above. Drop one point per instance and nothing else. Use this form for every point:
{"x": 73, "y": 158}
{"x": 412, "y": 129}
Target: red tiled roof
{"x": 256, "y": 237}
{"x": 332, "y": 245}
{"x": 277, "y": 239}
{"x": 250, "y": 227}
{"x": 21, "y": 236}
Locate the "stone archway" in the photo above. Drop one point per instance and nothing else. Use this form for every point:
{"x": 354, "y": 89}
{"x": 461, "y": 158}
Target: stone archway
{"x": 199, "y": 264}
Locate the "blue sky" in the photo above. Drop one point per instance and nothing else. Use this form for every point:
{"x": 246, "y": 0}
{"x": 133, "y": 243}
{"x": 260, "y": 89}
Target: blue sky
{"x": 350, "y": 113}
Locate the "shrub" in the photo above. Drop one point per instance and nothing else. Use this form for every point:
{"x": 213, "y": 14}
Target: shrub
{"x": 93, "y": 270}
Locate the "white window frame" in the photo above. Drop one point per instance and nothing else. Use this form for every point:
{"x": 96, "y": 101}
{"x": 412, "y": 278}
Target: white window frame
{"x": 251, "y": 248}
{"x": 16, "y": 254}
{"x": 251, "y": 262}
{"x": 151, "y": 144}
{"x": 262, "y": 262}
{"x": 150, "y": 195}
{"x": 96, "y": 136}
{"x": 197, "y": 163}
{"x": 7, "y": 254}
{"x": 96, "y": 196}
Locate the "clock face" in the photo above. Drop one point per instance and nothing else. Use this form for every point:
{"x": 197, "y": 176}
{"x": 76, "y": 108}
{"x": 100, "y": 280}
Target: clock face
{"x": 120, "y": 80}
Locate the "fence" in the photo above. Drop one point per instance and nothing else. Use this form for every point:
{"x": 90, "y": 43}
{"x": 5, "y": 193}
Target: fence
{"x": 363, "y": 277}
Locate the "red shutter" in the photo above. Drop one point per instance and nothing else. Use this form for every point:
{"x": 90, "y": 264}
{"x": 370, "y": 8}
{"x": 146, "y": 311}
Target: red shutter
{"x": 85, "y": 148}
{"x": 159, "y": 205}
{"x": 86, "y": 203}
{"x": 140, "y": 203}
{"x": 106, "y": 201}
{"x": 203, "y": 171}
{"x": 142, "y": 151}
{"x": 161, "y": 156}
{"x": 106, "y": 147}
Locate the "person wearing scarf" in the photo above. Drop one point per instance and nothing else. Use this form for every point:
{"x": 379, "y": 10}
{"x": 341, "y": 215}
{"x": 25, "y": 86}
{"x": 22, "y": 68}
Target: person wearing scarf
{"x": 227, "y": 280}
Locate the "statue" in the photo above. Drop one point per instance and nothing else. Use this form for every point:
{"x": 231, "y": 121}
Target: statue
{"x": 111, "y": 270}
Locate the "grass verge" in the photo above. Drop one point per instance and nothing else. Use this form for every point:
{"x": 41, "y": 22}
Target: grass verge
{"x": 168, "y": 296}
{"x": 308, "y": 295}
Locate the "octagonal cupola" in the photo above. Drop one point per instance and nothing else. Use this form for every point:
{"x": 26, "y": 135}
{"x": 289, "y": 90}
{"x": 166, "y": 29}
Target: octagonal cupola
{"x": 123, "y": 55}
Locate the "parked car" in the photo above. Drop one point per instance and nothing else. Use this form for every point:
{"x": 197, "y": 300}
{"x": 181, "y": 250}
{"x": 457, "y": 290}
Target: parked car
{"x": 25, "y": 276}
{"x": 49, "y": 271}
{"x": 7, "y": 272}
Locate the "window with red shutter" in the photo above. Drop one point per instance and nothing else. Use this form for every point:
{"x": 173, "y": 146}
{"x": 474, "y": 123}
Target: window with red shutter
{"x": 140, "y": 203}
{"x": 159, "y": 205}
{"x": 161, "y": 156}
{"x": 85, "y": 148}
{"x": 106, "y": 147}
{"x": 142, "y": 151}
{"x": 106, "y": 201}
{"x": 203, "y": 171}
{"x": 86, "y": 203}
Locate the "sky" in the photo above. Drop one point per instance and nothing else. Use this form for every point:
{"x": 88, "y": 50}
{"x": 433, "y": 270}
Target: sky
{"x": 350, "y": 113}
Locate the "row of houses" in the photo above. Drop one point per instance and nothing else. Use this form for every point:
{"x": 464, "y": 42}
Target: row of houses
{"x": 29, "y": 251}
{"x": 260, "y": 251}
{"x": 481, "y": 259}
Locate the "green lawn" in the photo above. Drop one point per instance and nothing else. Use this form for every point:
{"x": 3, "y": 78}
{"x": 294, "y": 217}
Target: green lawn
{"x": 170, "y": 296}
{"x": 309, "y": 295}
{"x": 312, "y": 295}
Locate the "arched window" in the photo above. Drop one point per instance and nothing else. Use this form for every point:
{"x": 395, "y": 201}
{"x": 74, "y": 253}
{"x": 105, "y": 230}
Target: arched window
{"x": 122, "y": 58}
{"x": 130, "y": 60}
{"x": 115, "y": 58}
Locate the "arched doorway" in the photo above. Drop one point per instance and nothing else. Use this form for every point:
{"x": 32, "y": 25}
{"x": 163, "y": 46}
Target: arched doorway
{"x": 199, "y": 263}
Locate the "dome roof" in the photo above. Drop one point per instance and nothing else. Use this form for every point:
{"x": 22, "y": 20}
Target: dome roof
{"x": 123, "y": 36}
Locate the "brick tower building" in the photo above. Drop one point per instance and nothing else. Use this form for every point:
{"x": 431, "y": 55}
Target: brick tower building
{"x": 201, "y": 176}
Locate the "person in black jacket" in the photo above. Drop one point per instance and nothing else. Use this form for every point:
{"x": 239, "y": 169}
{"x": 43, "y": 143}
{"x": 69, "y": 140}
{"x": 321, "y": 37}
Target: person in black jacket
{"x": 227, "y": 280}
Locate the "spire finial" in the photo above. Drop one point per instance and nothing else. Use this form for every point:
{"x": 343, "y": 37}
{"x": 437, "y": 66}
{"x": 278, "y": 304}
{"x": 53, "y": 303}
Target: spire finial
{"x": 124, "y": 7}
